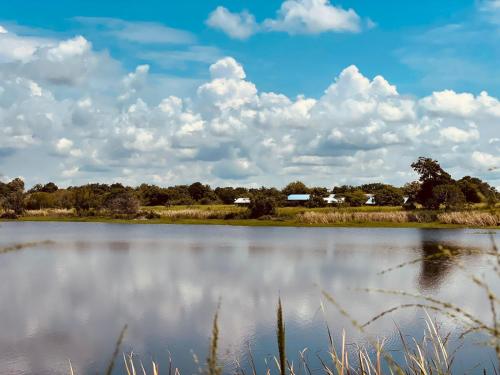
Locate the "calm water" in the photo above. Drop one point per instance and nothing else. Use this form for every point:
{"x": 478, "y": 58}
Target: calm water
{"x": 69, "y": 299}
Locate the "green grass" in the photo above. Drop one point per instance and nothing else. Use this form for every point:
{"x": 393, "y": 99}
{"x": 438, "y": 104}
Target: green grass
{"x": 365, "y": 216}
{"x": 244, "y": 222}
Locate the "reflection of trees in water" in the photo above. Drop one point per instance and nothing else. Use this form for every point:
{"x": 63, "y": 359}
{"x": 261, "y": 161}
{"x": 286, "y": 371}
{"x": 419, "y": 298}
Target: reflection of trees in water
{"x": 438, "y": 261}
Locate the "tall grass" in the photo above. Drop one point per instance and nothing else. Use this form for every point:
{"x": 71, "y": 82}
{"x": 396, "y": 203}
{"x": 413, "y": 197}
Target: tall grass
{"x": 471, "y": 218}
{"x": 467, "y": 218}
{"x": 193, "y": 213}
{"x": 58, "y": 212}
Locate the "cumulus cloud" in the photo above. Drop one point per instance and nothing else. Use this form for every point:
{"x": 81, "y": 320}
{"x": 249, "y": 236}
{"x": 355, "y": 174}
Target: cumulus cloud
{"x": 293, "y": 17}
{"x": 102, "y": 127}
{"x": 236, "y": 25}
{"x": 313, "y": 17}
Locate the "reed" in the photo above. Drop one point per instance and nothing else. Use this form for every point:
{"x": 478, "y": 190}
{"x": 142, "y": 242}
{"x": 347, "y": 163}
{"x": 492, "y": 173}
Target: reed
{"x": 280, "y": 336}
{"x": 466, "y": 218}
{"x": 51, "y": 212}
{"x": 213, "y": 367}
{"x": 470, "y": 218}
{"x": 193, "y": 213}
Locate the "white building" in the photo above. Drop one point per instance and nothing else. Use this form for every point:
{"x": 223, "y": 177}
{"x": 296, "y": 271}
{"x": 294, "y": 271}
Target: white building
{"x": 242, "y": 200}
{"x": 370, "y": 199}
{"x": 332, "y": 199}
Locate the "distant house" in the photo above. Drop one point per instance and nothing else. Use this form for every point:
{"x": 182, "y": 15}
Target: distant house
{"x": 242, "y": 201}
{"x": 332, "y": 199}
{"x": 370, "y": 199}
{"x": 299, "y": 197}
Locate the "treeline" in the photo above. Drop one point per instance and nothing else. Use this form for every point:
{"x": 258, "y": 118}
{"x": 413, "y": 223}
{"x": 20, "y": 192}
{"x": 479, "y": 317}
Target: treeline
{"x": 435, "y": 189}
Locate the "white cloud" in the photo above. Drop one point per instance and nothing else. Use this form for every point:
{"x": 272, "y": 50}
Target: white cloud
{"x": 449, "y": 102}
{"x": 457, "y": 135}
{"x": 236, "y": 25}
{"x": 64, "y": 145}
{"x": 313, "y": 17}
{"x": 69, "y": 48}
{"x": 293, "y": 17}
{"x": 486, "y": 160}
{"x": 227, "y": 68}
{"x": 361, "y": 129}
{"x": 139, "y": 32}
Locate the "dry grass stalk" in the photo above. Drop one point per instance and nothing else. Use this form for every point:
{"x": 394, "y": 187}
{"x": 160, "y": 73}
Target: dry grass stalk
{"x": 280, "y": 336}
{"x": 467, "y": 218}
{"x": 213, "y": 367}
{"x": 58, "y": 212}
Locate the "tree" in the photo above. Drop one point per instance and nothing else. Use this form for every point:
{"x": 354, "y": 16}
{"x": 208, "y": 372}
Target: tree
{"x": 151, "y": 195}
{"x": 431, "y": 175}
{"x": 355, "y": 198}
{"x": 476, "y": 191}
{"x": 122, "y": 203}
{"x": 389, "y": 196}
{"x": 411, "y": 190}
{"x": 296, "y": 187}
{"x": 316, "y": 198}
{"x": 262, "y": 206}
{"x": 50, "y": 188}
{"x": 197, "y": 191}
{"x": 12, "y": 196}
{"x": 448, "y": 195}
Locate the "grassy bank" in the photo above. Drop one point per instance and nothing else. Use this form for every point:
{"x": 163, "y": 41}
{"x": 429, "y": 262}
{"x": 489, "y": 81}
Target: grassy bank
{"x": 288, "y": 216}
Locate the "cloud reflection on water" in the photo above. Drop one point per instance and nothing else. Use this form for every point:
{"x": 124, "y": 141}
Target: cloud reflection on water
{"x": 71, "y": 298}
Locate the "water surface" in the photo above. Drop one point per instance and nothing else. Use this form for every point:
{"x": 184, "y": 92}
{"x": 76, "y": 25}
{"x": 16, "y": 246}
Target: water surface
{"x": 69, "y": 299}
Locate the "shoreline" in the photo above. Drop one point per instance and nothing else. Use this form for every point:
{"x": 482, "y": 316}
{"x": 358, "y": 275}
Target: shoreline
{"x": 246, "y": 223}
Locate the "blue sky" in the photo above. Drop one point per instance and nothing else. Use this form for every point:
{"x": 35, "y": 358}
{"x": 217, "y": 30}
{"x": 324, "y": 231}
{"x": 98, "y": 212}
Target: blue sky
{"x": 96, "y": 63}
{"x": 292, "y": 64}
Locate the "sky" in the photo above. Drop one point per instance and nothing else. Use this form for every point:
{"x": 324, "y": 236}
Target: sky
{"x": 248, "y": 93}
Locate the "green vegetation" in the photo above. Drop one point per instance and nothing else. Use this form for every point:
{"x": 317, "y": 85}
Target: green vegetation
{"x": 436, "y": 199}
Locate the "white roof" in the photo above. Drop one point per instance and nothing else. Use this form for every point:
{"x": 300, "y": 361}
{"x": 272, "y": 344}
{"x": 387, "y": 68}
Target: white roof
{"x": 332, "y": 199}
{"x": 242, "y": 200}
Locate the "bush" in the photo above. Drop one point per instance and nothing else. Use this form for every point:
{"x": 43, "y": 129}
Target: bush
{"x": 8, "y": 215}
{"x": 124, "y": 203}
{"x": 389, "y": 196}
{"x": 261, "y": 206}
{"x": 355, "y": 198}
{"x": 448, "y": 195}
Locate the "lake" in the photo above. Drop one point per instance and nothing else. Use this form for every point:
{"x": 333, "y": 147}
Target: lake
{"x": 70, "y": 298}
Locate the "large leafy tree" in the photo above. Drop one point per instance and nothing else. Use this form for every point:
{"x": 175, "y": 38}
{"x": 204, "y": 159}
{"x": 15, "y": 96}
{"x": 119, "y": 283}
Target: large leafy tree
{"x": 431, "y": 175}
{"x": 297, "y": 187}
{"x": 198, "y": 191}
{"x": 12, "y": 196}
{"x": 388, "y": 195}
{"x": 450, "y": 196}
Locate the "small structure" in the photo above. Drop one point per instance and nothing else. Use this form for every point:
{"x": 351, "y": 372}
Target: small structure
{"x": 242, "y": 201}
{"x": 332, "y": 199}
{"x": 405, "y": 199}
{"x": 370, "y": 199}
{"x": 299, "y": 197}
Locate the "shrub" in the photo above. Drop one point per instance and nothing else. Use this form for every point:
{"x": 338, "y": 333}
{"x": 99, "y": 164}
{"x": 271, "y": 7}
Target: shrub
{"x": 124, "y": 203}
{"x": 448, "y": 195}
{"x": 8, "y": 215}
{"x": 389, "y": 196}
{"x": 261, "y": 206}
{"x": 355, "y": 198}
